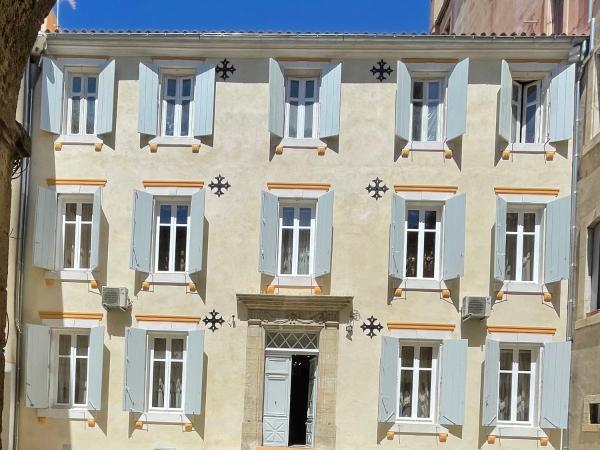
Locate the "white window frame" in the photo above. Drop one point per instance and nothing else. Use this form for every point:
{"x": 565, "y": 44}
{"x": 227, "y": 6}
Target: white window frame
{"x": 302, "y": 99}
{"x": 422, "y": 207}
{"x": 173, "y": 201}
{"x": 54, "y": 354}
{"x": 168, "y": 359}
{"x": 538, "y": 253}
{"x": 519, "y": 124}
{"x": 63, "y": 199}
{"x": 179, "y": 75}
{"x": 416, "y": 369}
{"x": 425, "y": 111}
{"x": 533, "y": 386}
{"x": 296, "y": 204}
{"x": 84, "y": 73}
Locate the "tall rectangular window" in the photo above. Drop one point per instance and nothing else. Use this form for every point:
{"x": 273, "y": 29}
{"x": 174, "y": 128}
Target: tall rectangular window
{"x": 594, "y": 266}
{"x": 177, "y": 105}
{"x": 426, "y": 110}
{"x": 167, "y": 360}
{"x": 172, "y": 236}
{"x": 70, "y": 368}
{"x": 523, "y": 244}
{"x": 81, "y": 104}
{"x": 301, "y": 106}
{"x": 76, "y": 231}
{"x": 423, "y": 241}
{"x": 517, "y": 384}
{"x": 417, "y": 380}
{"x": 526, "y": 112}
{"x": 296, "y": 239}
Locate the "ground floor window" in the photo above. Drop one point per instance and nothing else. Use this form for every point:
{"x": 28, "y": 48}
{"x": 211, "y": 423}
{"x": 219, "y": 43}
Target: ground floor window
{"x": 70, "y": 367}
{"x": 417, "y": 381}
{"x": 517, "y": 384}
{"x": 167, "y": 359}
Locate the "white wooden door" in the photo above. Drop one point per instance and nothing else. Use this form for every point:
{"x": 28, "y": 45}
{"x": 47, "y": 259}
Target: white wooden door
{"x": 312, "y": 402}
{"x": 276, "y": 415}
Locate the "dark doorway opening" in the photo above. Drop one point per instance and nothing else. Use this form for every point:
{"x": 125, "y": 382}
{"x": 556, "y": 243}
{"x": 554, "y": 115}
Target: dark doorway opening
{"x": 299, "y": 399}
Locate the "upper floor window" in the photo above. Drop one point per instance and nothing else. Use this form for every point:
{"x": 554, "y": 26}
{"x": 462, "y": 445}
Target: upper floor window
{"x": 517, "y": 384}
{"x": 296, "y": 237}
{"x": 301, "y": 105}
{"x": 167, "y": 361}
{"x": 426, "y": 110}
{"x": 177, "y": 105}
{"x": 523, "y": 244}
{"x": 423, "y": 241}
{"x": 76, "y": 232}
{"x": 81, "y": 104}
{"x": 417, "y": 381}
{"x": 69, "y": 368}
{"x": 526, "y": 112}
{"x": 594, "y": 266}
{"x": 172, "y": 235}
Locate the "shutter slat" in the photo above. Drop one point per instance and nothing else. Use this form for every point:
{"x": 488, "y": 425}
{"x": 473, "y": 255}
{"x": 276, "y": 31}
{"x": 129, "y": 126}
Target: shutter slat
{"x": 556, "y": 368}
{"x": 500, "y": 245}
{"x": 269, "y": 219}
{"x": 329, "y": 100}
{"x": 562, "y": 104}
{"x": 148, "y": 99}
{"x": 403, "y": 93}
{"x": 196, "y": 247}
{"x": 96, "y": 362}
{"x": 37, "y": 371}
{"x": 194, "y": 373}
{"x": 505, "y": 107}
{"x": 458, "y": 84}
{"x": 204, "y": 100}
{"x": 96, "y": 225}
{"x": 490, "y": 383}
{"x": 276, "y": 98}
{"x": 141, "y": 232}
{"x": 388, "y": 379}
{"x": 454, "y": 237}
{"x": 44, "y": 241}
{"x": 453, "y": 383}
{"x": 106, "y": 91}
{"x": 52, "y": 96}
{"x": 397, "y": 236}
{"x": 557, "y": 245}
{"x": 324, "y": 234}
{"x": 134, "y": 372}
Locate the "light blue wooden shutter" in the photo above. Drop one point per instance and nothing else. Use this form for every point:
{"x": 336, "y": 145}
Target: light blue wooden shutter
{"x": 556, "y": 252}
{"x": 95, "y": 365}
{"x": 500, "y": 245}
{"x": 141, "y": 232}
{"x": 555, "y": 385}
{"x": 52, "y": 96}
{"x": 388, "y": 379}
{"x": 96, "y": 221}
{"x": 397, "y": 236}
{"x": 403, "y": 93}
{"x": 491, "y": 371}
{"x": 324, "y": 234}
{"x": 269, "y": 219}
{"x": 194, "y": 372}
{"x": 37, "y": 370}
{"x": 458, "y": 83}
{"x": 454, "y": 237}
{"x": 134, "y": 372}
{"x": 204, "y": 100}
{"x": 44, "y": 235}
{"x": 454, "y": 378}
{"x": 148, "y": 99}
{"x": 562, "y": 104}
{"x": 505, "y": 107}
{"x": 196, "y": 250}
{"x": 276, "y": 98}
{"x": 329, "y": 100}
{"x": 106, "y": 92}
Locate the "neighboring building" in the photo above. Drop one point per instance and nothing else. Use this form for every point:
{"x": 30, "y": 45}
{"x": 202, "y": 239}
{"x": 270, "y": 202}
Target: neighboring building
{"x": 131, "y": 132}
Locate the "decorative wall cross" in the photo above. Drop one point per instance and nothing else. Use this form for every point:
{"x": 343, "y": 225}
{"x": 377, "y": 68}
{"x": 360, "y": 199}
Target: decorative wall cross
{"x": 379, "y": 187}
{"x": 371, "y": 327}
{"x": 224, "y": 68}
{"x": 381, "y": 71}
{"x": 220, "y": 185}
{"x": 214, "y": 320}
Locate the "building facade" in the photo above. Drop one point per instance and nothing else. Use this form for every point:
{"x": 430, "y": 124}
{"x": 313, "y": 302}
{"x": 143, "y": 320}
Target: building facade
{"x": 316, "y": 249}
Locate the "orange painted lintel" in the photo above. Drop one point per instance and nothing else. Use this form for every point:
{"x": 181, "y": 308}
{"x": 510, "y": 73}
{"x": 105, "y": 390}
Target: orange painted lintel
{"x": 526, "y": 191}
{"x": 303, "y": 186}
{"x": 430, "y": 60}
{"x": 162, "y": 318}
{"x": 76, "y": 181}
{"x": 173, "y": 183}
{"x": 420, "y": 326}
{"x": 69, "y": 315}
{"x": 424, "y": 188}
{"x": 527, "y": 330}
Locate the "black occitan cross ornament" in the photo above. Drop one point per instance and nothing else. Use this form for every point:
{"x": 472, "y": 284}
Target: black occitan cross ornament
{"x": 377, "y": 189}
{"x": 214, "y": 320}
{"x": 381, "y": 71}
{"x": 220, "y": 185}
{"x": 371, "y": 327}
{"x": 224, "y": 68}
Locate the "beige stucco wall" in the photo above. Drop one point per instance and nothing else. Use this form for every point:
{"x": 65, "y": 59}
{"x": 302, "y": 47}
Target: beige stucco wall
{"x": 240, "y": 152}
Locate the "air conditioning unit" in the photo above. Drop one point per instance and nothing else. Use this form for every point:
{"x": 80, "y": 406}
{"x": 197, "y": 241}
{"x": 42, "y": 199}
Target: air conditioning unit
{"x": 476, "y": 307}
{"x": 115, "y": 298}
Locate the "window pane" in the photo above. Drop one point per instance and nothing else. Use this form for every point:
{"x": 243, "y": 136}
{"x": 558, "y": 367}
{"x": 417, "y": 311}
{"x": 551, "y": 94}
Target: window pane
{"x": 308, "y": 119}
{"x": 64, "y": 344}
{"x": 171, "y": 87}
{"x": 512, "y": 220}
{"x": 288, "y": 217}
{"x": 430, "y": 217}
{"x": 63, "y": 381}
{"x": 407, "y": 356}
{"x": 176, "y": 384}
{"x": 170, "y": 118}
{"x": 160, "y": 348}
{"x": 177, "y": 349}
{"x": 305, "y": 215}
{"x": 80, "y": 380}
{"x": 85, "y": 250}
{"x": 164, "y": 239}
{"x": 186, "y": 90}
{"x": 433, "y": 89}
{"x": 528, "y": 258}
{"x": 180, "y": 248}
{"x": 91, "y": 114}
{"x": 293, "y": 120}
{"x": 506, "y": 359}
{"x": 185, "y": 118}
{"x": 75, "y": 106}
{"x": 515, "y": 123}
{"x": 91, "y": 85}
{"x": 531, "y": 93}
{"x": 504, "y": 397}
{"x": 511, "y": 256}
{"x": 406, "y": 385}
{"x": 165, "y": 213}
{"x": 412, "y": 242}
{"x": 523, "y": 397}
{"x": 429, "y": 255}
{"x": 418, "y": 90}
{"x": 524, "y": 360}
{"x": 86, "y": 212}
{"x": 310, "y": 89}
{"x": 69, "y": 246}
{"x": 529, "y": 222}
{"x": 417, "y": 113}
{"x": 182, "y": 214}
{"x": 432, "y": 120}
{"x": 530, "y": 124}
{"x": 76, "y": 84}
{"x": 515, "y": 93}
{"x": 82, "y": 344}
{"x": 158, "y": 384}
{"x": 424, "y": 393}
{"x": 286, "y": 251}
{"x": 303, "y": 252}
{"x": 413, "y": 219}
{"x": 294, "y": 88}
{"x": 425, "y": 357}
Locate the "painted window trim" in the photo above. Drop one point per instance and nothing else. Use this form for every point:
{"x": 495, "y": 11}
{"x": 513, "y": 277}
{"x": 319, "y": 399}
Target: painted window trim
{"x": 78, "y": 272}
{"x": 297, "y": 204}
{"x": 65, "y": 413}
{"x": 70, "y": 275}
{"x": 76, "y": 139}
{"x": 421, "y": 335}
{"x": 179, "y": 75}
{"x": 539, "y": 240}
{"x": 418, "y": 428}
{"x": 175, "y": 141}
{"x": 532, "y": 148}
{"x": 516, "y": 431}
{"x": 439, "y": 240}
{"x": 522, "y": 104}
{"x": 71, "y": 323}
{"x": 172, "y": 201}
{"x": 288, "y": 142}
{"x": 417, "y": 144}
{"x": 166, "y": 326}
{"x": 301, "y": 100}
{"x": 84, "y": 74}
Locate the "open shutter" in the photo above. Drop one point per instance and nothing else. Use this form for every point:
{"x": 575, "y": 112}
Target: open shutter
{"x": 397, "y": 232}
{"x": 52, "y": 96}
{"x": 556, "y": 252}
{"x": 458, "y": 82}
{"x": 324, "y": 234}
{"x": 96, "y": 221}
{"x": 37, "y": 370}
{"x": 500, "y": 245}
{"x": 489, "y": 414}
{"x": 269, "y": 214}
{"x": 44, "y": 235}
{"x": 556, "y": 368}
{"x": 106, "y": 91}
{"x": 388, "y": 379}
{"x": 197, "y": 232}
{"x": 148, "y": 99}
{"x": 403, "y": 93}
{"x": 562, "y": 104}
{"x": 505, "y": 107}
{"x": 141, "y": 232}
{"x": 276, "y": 98}
{"x": 329, "y": 100}
{"x": 194, "y": 372}
{"x": 454, "y": 237}
{"x": 134, "y": 372}
{"x": 204, "y": 100}
{"x": 96, "y": 360}
{"x": 454, "y": 378}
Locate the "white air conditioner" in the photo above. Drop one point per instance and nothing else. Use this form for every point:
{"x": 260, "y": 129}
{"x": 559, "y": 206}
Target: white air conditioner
{"x": 476, "y": 307}
{"x": 115, "y": 298}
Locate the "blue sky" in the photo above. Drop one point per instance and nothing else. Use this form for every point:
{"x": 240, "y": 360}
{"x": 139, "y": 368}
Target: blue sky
{"x": 244, "y": 15}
